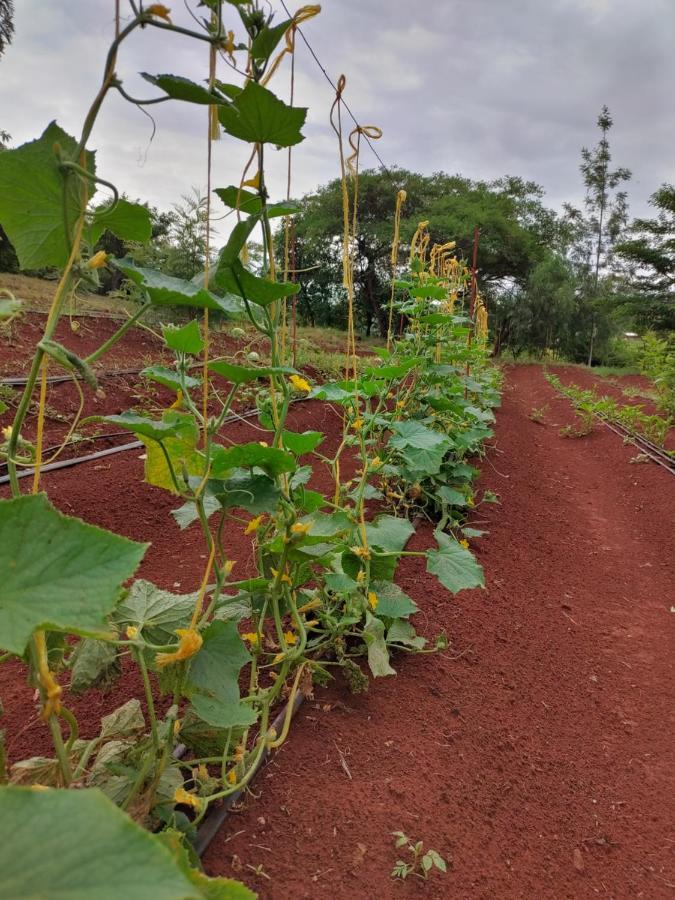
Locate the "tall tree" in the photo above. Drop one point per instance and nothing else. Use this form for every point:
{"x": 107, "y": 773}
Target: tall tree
{"x": 606, "y": 214}
{"x": 6, "y": 24}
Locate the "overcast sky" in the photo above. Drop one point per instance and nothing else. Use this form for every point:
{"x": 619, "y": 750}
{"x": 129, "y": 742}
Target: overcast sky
{"x": 479, "y": 87}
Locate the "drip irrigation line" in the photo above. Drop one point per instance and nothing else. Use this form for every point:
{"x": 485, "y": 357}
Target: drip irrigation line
{"x": 655, "y": 453}
{"x": 214, "y": 819}
{"x": 343, "y": 101}
{"x": 111, "y": 451}
{"x": 22, "y": 381}
{"x": 87, "y": 440}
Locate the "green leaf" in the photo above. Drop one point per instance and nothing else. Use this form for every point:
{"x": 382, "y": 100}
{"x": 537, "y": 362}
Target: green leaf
{"x": 169, "y": 377}
{"x": 271, "y": 459}
{"x": 180, "y": 447}
{"x": 124, "y": 722}
{"x": 164, "y": 290}
{"x": 251, "y": 204}
{"x": 302, "y": 443}
{"x": 233, "y": 278}
{"x": 187, "y": 513}
{"x": 57, "y": 571}
{"x": 186, "y": 339}
{"x": 267, "y": 39}
{"x": 129, "y": 221}
{"x": 31, "y": 198}
{"x": 402, "y": 632}
{"x": 331, "y": 392}
{"x": 143, "y": 426}
{"x": 257, "y": 116}
{"x": 179, "y": 88}
{"x": 389, "y": 533}
{"x": 378, "y": 655}
{"x": 77, "y": 844}
{"x": 413, "y": 434}
{"x": 69, "y": 360}
{"x": 213, "y": 681}
{"x": 154, "y": 611}
{"x": 208, "y": 888}
{"x": 392, "y": 602}
{"x": 94, "y": 664}
{"x": 254, "y": 493}
{"x": 235, "y": 243}
{"x": 242, "y": 374}
{"x": 454, "y": 565}
{"x": 451, "y": 496}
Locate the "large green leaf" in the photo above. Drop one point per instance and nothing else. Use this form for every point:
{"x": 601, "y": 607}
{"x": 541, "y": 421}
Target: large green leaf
{"x": 57, "y": 571}
{"x": 454, "y": 565}
{"x": 129, "y": 221}
{"x": 378, "y": 655}
{"x": 392, "y": 602}
{"x": 213, "y": 682}
{"x": 242, "y": 374}
{"x": 184, "y": 339}
{"x": 143, "y": 426}
{"x": 32, "y": 204}
{"x": 93, "y": 664}
{"x": 233, "y": 278}
{"x": 164, "y": 290}
{"x": 257, "y": 116}
{"x": 180, "y": 447}
{"x": 251, "y": 204}
{"x": 389, "y": 533}
{"x": 267, "y": 39}
{"x": 77, "y": 845}
{"x": 302, "y": 443}
{"x": 179, "y": 88}
{"x": 271, "y": 459}
{"x": 169, "y": 377}
{"x": 254, "y": 493}
{"x": 156, "y": 612}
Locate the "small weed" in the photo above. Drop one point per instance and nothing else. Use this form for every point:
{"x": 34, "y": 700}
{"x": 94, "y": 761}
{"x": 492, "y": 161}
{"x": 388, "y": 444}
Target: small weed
{"x": 421, "y": 863}
{"x": 538, "y": 413}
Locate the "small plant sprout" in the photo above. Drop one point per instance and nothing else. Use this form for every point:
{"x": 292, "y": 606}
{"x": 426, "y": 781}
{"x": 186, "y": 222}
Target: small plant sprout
{"x": 421, "y": 863}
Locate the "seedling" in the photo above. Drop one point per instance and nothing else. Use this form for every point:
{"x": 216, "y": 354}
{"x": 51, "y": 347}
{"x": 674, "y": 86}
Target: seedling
{"x": 421, "y": 863}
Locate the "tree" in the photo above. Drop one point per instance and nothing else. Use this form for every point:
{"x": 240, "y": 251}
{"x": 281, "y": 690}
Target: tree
{"x": 6, "y": 24}
{"x": 606, "y": 217}
{"x": 515, "y": 230}
{"x": 649, "y": 253}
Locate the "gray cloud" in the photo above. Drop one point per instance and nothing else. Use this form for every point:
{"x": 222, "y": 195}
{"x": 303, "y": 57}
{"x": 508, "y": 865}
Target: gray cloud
{"x": 480, "y": 87}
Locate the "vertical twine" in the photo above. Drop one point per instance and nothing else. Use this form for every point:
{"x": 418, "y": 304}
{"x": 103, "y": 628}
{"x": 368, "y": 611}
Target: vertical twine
{"x": 400, "y": 200}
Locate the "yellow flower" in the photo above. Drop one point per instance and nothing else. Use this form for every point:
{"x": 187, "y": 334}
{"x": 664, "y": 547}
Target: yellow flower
{"x": 372, "y": 600}
{"x": 98, "y": 260}
{"x": 202, "y": 772}
{"x": 464, "y": 543}
{"x": 278, "y": 658}
{"x": 232, "y": 776}
{"x": 254, "y": 524}
{"x": 132, "y": 632}
{"x": 376, "y": 463}
{"x": 187, "y": 799}
{"x": 357, "y": 424}
{"x": 7, "y": 432}
{"x": 362, "y": 552}
{"x": 228, "y": 47}
{"x": 300, "y": 528}
{"x": 159, "y": 10}
{"x": 400, "y": 404}
{"x": 177, "y": 725}
{"x": 239, "y": 753}
{"x": 361, "y": 577}
{"x": 290, "y": 637}
{"x": 263, "y": 444}
{"x": 308, "y": 607}
{"x": 255, "y": 181}
{"x": 190, "y": 643}
{"x": 285, "y": 577}
{"x": 252, "y": 637}
{"x": 300, "y": 384}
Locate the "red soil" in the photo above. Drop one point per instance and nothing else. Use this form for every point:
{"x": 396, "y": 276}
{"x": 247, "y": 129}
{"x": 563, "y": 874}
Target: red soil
{"x": 535, "y": 755}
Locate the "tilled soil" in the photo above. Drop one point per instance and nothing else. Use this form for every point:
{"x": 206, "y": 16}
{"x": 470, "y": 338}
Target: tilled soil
{"x": 535, "y": 754}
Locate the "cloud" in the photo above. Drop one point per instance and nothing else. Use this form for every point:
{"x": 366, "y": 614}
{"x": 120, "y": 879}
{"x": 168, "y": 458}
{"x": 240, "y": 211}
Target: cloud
{"x": 480, "y": 87}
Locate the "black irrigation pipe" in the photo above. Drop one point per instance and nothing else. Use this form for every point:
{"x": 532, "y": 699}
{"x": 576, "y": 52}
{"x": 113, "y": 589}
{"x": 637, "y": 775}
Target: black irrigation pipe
{"x": 214, "y": 819}
{"x": 655, "y": 453}
{"x": 22, "y": 381}
{"x": 110, "y": 451}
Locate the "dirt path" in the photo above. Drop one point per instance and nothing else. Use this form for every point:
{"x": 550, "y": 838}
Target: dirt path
{"x": 540, "y": 762}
